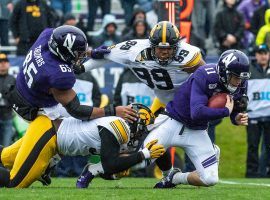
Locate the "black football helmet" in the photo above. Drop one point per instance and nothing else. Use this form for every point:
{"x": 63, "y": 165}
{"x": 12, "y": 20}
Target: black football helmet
{"x": 164, "y": 35}
{"x": 232, "y": 62}
{"x": 69, "y": 43}
{"x": 138, "y": 128}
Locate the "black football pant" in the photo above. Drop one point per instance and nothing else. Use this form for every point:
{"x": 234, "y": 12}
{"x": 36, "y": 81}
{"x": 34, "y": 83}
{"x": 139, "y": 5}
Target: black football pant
{"x": 256, "y": 131}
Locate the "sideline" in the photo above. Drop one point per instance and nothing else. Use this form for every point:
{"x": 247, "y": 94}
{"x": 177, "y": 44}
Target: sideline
{"x": 243, "y": 183}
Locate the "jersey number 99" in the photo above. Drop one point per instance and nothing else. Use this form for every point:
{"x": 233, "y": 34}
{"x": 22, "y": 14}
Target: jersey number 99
{"x": 160, "y": 76}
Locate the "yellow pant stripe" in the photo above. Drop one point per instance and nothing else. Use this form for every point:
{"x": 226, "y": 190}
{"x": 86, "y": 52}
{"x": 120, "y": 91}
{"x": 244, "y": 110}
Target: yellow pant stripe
{"x": 121, "y": 130}
{"x": 117, "y": 133}
{"x": 41, "y": 163}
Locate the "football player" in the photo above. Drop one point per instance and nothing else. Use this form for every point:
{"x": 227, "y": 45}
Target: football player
{"x": 185, "y": 123}
{"x": 106, "y": 136}
{"x": 163, "y": 62}
{"x": 44, "y": 83}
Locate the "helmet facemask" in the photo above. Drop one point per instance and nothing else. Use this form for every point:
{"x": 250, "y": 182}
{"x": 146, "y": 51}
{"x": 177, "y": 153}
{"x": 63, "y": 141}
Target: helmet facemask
{"x": 164, "y": 35}
{"x": 138, "y": 129}
{"x": 226, "y": 79}
{"x": 169, "y": 59}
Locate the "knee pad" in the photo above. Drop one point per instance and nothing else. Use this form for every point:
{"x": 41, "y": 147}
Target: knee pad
{"x": 210, "y": 178}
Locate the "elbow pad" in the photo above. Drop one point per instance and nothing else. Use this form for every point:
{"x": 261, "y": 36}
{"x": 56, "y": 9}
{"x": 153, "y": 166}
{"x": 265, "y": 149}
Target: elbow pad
{"x": 78, "y": 111}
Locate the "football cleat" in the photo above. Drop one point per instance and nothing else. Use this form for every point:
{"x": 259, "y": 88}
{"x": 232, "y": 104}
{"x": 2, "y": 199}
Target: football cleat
{"x": 217, "y": 151}
{"x": 45, "y": 179}
{"x": 85, "y": 178}
{"x": 166, "y": 182}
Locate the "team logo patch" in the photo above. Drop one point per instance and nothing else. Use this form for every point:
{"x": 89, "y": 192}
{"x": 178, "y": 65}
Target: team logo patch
{"x": 69, "y": 41}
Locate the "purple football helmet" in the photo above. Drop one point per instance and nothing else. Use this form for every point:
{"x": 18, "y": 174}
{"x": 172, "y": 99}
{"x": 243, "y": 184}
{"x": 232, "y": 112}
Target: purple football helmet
{"x": 69, "y": 43}
{"x": 232, "y": 62}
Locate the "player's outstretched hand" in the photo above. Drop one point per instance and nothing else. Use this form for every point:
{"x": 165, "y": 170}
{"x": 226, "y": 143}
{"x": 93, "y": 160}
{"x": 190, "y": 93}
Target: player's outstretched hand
{"x": 99, "y": 52}
{"x": 127, "y": 113}
{"x": 242, "y": 119}
{"x": 153, "y": 150}
{"x": 229, "y": 103}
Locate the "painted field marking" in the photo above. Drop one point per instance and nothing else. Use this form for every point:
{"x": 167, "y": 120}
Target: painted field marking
{"x": 243, "y": 183}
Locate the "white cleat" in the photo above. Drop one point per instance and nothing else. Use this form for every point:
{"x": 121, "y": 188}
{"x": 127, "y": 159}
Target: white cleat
{"x": 217, "y": 151}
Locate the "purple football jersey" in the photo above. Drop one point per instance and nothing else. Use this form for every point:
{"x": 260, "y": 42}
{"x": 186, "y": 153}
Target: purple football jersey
{"x": 41, "y": 71}
{"x": 189, "y": 105}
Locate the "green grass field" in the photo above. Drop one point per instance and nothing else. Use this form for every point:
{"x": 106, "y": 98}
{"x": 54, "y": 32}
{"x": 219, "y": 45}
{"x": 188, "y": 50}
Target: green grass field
{"x": 232, "y": 141}
{"x": 141, "y": 188}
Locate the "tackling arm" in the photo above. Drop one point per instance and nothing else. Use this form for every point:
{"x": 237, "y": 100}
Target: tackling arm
{"x": 112, "y": 161}
{"x": 70, "y": 101}
{"x": 194, "y": 64}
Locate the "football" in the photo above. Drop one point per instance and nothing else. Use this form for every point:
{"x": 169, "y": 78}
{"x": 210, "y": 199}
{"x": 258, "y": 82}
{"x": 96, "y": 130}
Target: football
{"x": 218, "y": 100}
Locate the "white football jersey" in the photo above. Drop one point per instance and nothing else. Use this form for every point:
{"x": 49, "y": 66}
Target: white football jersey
{"x": 164, "y": 80}
{"x": 77, "y": 137}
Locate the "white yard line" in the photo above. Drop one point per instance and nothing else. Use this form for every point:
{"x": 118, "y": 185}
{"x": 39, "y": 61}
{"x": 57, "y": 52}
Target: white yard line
{"x": 243, "y": 183}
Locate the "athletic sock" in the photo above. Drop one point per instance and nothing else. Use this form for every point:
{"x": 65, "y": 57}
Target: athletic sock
{"x": 180, "y": 178}
{"x": 96, "y": 169}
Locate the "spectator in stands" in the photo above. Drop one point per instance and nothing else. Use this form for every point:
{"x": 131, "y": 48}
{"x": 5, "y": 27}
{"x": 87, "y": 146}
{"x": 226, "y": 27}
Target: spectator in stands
{"x": 258, "y": 111}
{"x": 130, "y": 89}
{"x": 139, "y": 31}
{"x": 202, "y": 18}
{"x": 88, "y": 92}
{"x": 28, "y": 20}
{"x": 247, "y": 8}
{"x": 257, "y": 20}
{"x": 263, "y": 36}
{"x": 229, "y": 27}
{"x": 93, "y": 5}
{"x": 70, "y": 19}
{"x": 109, "y": 35}
{"x": 138, "y": 14}
{"x": 6, "y": 8}
{"x": 6, "y": 131}
{"x": 62, "y": 7}
{"x": 128, "y": 6}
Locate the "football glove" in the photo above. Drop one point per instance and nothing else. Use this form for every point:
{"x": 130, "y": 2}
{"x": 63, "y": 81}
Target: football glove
{"x": 240, "y": 105}
{"x": 78, "y": 68}
{"x": 153, "y": 150}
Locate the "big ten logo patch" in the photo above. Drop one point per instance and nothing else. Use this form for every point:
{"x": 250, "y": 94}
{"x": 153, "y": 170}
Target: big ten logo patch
{"x": 145, "y": 100}
{"x": 82, "y": 97}
{"x": 259, "y": 96}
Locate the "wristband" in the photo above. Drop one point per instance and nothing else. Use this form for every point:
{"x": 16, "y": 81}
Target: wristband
{"x": 110, "y": 110}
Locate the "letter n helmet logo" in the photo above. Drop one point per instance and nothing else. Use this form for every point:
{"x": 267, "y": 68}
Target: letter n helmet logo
{"x": 69, "y": 41}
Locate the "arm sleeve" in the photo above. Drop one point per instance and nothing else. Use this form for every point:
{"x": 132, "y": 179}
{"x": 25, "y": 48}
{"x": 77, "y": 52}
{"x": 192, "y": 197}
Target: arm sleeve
{"x": 111, "y": 159}
{"x": 199, "y": 100}
{"x": 94, "y": 64}
{"x": 96, "y": 96}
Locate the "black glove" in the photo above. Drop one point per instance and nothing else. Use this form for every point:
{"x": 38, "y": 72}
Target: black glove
{"x": 240, "y": 105}
{"x": 78, "y": 69}
{"x": 99, "y": 52}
